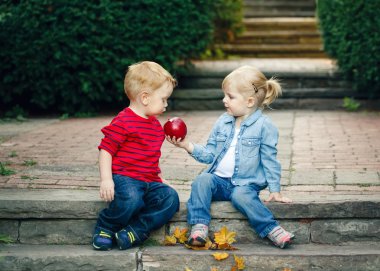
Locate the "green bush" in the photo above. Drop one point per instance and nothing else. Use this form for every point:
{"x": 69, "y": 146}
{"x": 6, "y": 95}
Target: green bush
{"x": 351, "y": 35}
{"x": 71, "y": 56}
{"x": 228, "y": 19}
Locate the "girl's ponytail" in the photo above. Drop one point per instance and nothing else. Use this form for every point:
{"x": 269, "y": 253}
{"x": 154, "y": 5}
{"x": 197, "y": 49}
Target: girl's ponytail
{"x": 273, "y": 90}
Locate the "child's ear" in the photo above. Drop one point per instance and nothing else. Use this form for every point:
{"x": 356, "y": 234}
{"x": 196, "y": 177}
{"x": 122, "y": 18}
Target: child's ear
{"x": 144, "y": 98}
{"x": 250, "y": 102}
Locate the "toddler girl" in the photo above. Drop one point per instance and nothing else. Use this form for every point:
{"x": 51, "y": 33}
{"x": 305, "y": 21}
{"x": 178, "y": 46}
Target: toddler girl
{"x": 241, "y": 151}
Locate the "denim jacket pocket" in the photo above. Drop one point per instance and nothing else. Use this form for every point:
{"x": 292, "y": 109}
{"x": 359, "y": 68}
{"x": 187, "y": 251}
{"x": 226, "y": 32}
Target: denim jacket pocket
{"x": 250, "y": 146}
{"x": 220, "y": 141}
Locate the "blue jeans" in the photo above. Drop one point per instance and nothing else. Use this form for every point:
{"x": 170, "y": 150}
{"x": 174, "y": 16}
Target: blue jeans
{"x": 208, "y": 187}
{"x": 140, "y": 205}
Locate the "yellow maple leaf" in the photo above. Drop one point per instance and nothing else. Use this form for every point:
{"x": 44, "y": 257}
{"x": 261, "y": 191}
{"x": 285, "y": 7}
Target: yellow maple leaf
{"x": 170, "y": 240}
{"x": 180, "y": 235}
{"x": 239, "y": 261}
{"x": 187, "y": 269}
{"x": 220, "y": 256}
{"x": 224, "y": 236}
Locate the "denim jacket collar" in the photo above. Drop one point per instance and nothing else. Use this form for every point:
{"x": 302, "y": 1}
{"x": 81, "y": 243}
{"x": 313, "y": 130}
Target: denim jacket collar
{"x": 248, "y": 121}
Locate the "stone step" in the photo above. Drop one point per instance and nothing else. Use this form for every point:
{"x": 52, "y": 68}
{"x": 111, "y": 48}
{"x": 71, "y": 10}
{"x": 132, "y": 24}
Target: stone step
{"x": 358, "y": 256}
{"x": 251, "y": 50}
{"x": 276, "y": 37}
{"x": 68, "y": 217}
{"x": 283, "y": 23}
{"x": 279, "y": 8}
{"x": 263, "y": 12}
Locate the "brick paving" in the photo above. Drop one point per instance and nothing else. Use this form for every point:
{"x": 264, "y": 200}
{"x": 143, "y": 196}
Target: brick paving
{"x": 320, "y": 151}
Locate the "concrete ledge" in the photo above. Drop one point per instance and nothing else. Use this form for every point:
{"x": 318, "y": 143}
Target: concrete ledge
{"x": 83, "y": 258}
{"x": 262, "y": 257}
{"x": 68, "y": 217}
{"x": 85, "y": 204}
{"x": 359, "y": 256}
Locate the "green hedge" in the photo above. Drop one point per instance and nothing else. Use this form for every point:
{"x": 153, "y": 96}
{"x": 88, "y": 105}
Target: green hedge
{"x": 71, "y": 56}
{"x": 351, "y": 35}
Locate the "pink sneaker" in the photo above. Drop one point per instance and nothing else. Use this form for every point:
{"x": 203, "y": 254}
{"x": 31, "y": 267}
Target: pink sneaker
{"x": 281, "y": 237}
{"x": 198, "y": 235}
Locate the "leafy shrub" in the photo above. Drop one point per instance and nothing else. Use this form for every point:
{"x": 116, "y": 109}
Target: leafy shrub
{"x": 351, "y": 35}
{"x": 71, "y": 56}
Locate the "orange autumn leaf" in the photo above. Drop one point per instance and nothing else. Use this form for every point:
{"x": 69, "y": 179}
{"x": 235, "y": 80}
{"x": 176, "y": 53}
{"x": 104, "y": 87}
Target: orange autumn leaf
{"x": 224, "y": 236}
{"x": 226, "y": 247}
{"x": 180, "y": 235}
{"x": 286, "y": 269}
{"x": 239, "y": 261}
{"x": 220, "y": 256}
{"x": 170, "y": 240}
{"x": 234, "y": 268}
{"x": 214, "y": 269}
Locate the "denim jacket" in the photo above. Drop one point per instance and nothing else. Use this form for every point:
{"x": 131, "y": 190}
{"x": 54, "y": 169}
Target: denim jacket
{"x": 255, "y": 154}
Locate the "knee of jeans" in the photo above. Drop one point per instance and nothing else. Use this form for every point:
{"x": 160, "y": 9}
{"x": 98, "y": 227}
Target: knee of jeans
{"x": 173, "y": 198}
{"x": 240, "y": 197}
{"x": 202, "y": 181}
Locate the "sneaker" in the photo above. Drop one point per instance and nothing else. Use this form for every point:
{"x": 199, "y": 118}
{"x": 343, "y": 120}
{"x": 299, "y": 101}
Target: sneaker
{"x": 281, "y": 237}
{"x": 198, "y": 235}
{"x": 126, "y": 238}
{"x": 102, "y": 240}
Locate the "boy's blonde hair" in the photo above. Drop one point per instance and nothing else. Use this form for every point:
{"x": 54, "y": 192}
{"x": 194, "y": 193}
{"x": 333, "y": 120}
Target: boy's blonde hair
{"x": 251, "y": 82}
{"x": 145, "y": 76}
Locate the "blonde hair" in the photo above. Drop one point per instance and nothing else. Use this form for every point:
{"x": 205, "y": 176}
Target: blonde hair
{"x": 251, "y": 82}
{"x": 145, "y": 76}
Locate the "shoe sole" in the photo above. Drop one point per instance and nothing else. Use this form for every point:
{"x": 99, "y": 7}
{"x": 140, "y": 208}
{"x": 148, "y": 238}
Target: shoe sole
{"x": 101, "y": 248}
{"x": 288, "y": 242}
{"x": 197, "y": 242}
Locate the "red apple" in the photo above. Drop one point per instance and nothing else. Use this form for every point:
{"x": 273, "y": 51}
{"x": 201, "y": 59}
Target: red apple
{"x": 175, "y": 127}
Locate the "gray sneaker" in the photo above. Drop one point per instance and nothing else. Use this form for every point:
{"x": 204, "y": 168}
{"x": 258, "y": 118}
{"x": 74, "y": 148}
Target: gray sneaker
{"x": 198, "y": 235}
{"x": 281, "y": 237}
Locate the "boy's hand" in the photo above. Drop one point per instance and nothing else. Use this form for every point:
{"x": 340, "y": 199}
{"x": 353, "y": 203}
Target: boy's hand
{"x": 182, "y": 143}
{"x": 107, "y": 191}
{"x": 276, "y": 196}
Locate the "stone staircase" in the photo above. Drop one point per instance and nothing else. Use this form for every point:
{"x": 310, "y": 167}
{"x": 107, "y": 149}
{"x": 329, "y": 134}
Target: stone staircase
{"x": 278, "y": 29}
{"x": 307, "y": 84}
{"x": 51, "y": 230}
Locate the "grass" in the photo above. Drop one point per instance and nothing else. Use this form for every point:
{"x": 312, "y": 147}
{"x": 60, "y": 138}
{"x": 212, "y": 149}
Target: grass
{"x": 29, "y": 163}
{"x": 4, "y": 171}
{"x": 4, "y": 239}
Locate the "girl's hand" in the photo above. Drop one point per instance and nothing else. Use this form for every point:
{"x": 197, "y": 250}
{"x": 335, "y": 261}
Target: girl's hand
{"x": 107, "y": 190}
{"x": 276, "y": 196}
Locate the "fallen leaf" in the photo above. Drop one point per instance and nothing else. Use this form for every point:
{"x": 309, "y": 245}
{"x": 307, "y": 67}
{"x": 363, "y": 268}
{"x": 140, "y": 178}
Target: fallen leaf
{"x": 187, "y": 269}
{"x": 226, "y": 247}
{"x": 220, "y": 256}
{"x": 180, "y": 235}
{"x": 286, "y": 269}
{"x": 239, "y": 262}
{"x": 224, "y": 236}
{"x": 170, "y": 240}
{"x": 214, "y": 269}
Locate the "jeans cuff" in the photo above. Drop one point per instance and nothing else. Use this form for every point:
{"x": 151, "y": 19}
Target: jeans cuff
{"x": 267, "y": 230}
{"x": 199, "y": 221}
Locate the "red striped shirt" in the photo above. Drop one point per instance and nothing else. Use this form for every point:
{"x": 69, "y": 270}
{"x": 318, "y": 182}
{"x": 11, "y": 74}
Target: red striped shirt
{"x": 135, "y": 145}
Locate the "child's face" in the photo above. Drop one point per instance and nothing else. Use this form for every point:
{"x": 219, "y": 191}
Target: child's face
{"x": 158, "y": 100}
{"x": 236, "y": 104}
